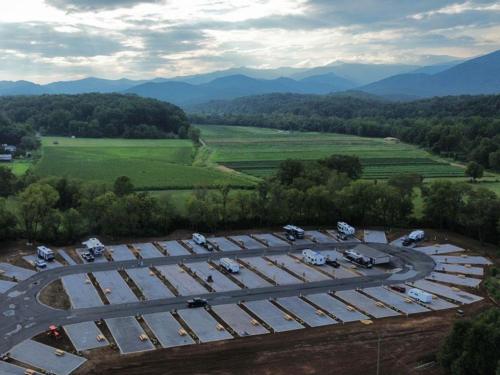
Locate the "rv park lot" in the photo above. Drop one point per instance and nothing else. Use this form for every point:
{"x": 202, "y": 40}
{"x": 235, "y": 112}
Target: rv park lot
{"x": 323, "y": 339}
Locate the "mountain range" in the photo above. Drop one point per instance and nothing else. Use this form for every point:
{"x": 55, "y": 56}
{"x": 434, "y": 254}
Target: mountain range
{"x": 479, "y": 75}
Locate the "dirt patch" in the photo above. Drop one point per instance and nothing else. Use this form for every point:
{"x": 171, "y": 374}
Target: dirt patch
{"x": 407, "y": 346}
{"x": 55, "y": 296}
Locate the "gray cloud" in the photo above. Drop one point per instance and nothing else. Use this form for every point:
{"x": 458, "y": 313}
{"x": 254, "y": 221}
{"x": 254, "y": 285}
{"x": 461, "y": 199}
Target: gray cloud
{"x": 43, "y": 39}
{"x": 83, "y": 5}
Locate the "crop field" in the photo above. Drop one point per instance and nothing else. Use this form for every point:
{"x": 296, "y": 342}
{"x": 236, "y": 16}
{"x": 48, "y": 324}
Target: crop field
{"x": 258, "y": 151}
{"x": 151, "y": 164}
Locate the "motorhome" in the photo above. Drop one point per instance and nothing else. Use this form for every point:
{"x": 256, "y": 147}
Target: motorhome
{"x": 294, "y": 231}
{"x": 229, "y": 265}
{"x": 345, "y": 229}
{"x": 94, "y": 246}
{"x": 45, "y": 253}
{"x": 420, "y": 295}
{"x": 313, "y": 257}
{"x": 199, "y": 239}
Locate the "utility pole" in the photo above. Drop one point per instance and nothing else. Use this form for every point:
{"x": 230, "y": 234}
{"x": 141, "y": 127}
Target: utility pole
{"x": 378, "y": 353}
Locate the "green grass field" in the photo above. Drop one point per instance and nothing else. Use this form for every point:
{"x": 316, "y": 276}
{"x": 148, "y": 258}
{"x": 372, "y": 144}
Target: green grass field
{"x": 258, "y": 151}
{"x": 151, "y": 164}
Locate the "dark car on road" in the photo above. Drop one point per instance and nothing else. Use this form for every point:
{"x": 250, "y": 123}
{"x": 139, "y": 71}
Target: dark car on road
{"x": 197, "y": 302}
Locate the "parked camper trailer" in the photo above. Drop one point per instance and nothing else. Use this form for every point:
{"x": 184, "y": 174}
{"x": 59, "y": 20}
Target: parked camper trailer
{"x": 420, "y": 295}
{"x": 229, "y": 265}
{"x": 45, "y": 253}
{"x": 94, "y": 246}
{"x": 415, "y": 236}
{"x": 313, "y": 257}
{"x": 199, "y": 239}
{"x": 294, "y": 231}
{"x": 345, "y": 230}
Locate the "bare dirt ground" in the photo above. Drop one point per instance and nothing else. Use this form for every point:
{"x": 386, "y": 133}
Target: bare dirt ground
{"x": 405, "y": 345}
{"x": 55, "y": 296}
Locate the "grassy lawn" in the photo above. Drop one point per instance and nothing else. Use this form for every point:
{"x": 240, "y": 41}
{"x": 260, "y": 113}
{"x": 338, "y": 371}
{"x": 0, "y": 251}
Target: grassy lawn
{"x": 151, "y": 164}
{"x": 258, "y": 151}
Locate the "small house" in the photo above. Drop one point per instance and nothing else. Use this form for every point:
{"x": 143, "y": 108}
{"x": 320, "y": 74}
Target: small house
{"x": 7, "y": 158}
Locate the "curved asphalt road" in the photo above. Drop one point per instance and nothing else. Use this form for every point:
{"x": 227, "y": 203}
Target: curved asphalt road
{"x": 23, "y": 316}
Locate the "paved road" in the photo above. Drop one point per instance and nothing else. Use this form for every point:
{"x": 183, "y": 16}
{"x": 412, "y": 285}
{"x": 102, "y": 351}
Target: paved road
{"x": 23, "y": 316}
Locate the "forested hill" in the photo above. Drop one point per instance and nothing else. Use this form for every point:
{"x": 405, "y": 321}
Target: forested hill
{"x": 97, "y": 115}
{"x": 466, "y": 128}
{"x": 354, "y": 104}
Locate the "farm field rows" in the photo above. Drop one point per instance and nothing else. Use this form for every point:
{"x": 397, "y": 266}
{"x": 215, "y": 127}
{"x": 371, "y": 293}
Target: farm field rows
{"x": 258, "y": 151}
{"x": 151, "y": 164}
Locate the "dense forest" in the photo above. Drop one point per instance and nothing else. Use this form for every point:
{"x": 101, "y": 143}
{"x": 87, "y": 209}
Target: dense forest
{"x": 466, "y": 128}
{"x": 94, "y": 115}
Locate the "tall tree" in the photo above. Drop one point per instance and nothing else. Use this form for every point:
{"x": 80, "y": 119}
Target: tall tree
{"x": 474, "y": 170}
{"x": 123, "y": 186}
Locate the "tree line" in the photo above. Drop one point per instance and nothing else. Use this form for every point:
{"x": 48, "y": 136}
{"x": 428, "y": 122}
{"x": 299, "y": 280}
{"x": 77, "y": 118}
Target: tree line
{"x": 61, "y": 210}
{"x": 466, "y": 128}
{"x": 92, "y": 115}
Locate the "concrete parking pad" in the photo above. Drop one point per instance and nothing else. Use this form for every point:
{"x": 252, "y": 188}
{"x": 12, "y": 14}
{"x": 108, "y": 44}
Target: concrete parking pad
{"x": 250, "y": 279}
{"x": 270, "y": 240}
{"x": 81, "y": 291}
{"x": 376, "y": 236}
{"x": 148, "y": 250}
{"x": 167, "y": 330}
{"x": 452, "y": 293}
{"x": 476, "y": 260}
{"x": 242, "y": 323}
{"x": 333, "y": 233}
{"x": 437, "y": 303}
{"x": 439, "y": 249}
{"x": 204, "y": 326}
{"x": 20, "y": 273}
{"x": 98, "y": 259}
{"x": 304, "y": 311}
{"x": 272, "y": 316}
{"x": 271, "y": 271}
{"x": 184, "y": 283}
{"x": 335, "y": 307}
{"x": 31, "y": 259}
{"x": 127, "y": 333}
{"x": 365, "y": 304}
{"x": 150, "y": 285}
{"x": 223, "y": 244}
{"x": 44, "y": 357}
{"x": 114, "y": 287}
{"x": 121, "y": 252}
{"x": 458, "y": 268}
{"x": 317, "y": 236}
{"x": 66, "y": 257}
{"x": 298, "y": 241}
{"x": 299, "y": 268}
{"x": 85, "y": 336}
{"x": 6, "y": 285}
{"x": 220, "y": 282}
{"x": 454, "y": 279}
{"x": 247, "y": 242}
{"x": 10, "y": 369}
{"x": 398, "y": 241}
{"x": 174, "y": 248}
{"x": 195, "y": 248}
{"x": 404, "y": 304}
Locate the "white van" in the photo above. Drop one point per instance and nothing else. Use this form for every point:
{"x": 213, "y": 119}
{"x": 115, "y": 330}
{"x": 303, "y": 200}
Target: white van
{"x": 313, "y": 257}
{"x": 229, "y": 265}
{"x": 199, "y": 239}
{"x": 420, "y": 295}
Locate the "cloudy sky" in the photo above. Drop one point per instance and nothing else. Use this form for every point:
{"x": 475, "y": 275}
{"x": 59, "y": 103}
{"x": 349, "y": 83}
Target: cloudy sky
{"x": 47, "y": 40}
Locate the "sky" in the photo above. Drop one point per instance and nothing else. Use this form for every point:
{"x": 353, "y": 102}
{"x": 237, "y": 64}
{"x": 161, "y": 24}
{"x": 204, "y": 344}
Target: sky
{"x": 49, "y": 40}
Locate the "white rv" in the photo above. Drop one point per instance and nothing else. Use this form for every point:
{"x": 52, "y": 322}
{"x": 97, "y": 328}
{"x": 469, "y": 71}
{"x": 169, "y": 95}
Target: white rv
{"x": 45, "y": 253}
{"x": 294, "y": 231}
{"x": 313, "y": 257}
{"x": 229, "y": 265}
{"x": 420, "y": 295}
{"x": 199, "y": 239}
{"x": 345, "y": 229}
{"x": 415, "y": 236}
{"x": 94, "y": 246}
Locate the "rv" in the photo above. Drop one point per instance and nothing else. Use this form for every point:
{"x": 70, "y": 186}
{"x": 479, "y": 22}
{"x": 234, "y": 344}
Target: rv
{"x": 420, "y": 295}
{"x": 294, "y": 231}
{"x": 94, "y": 246}
{"x": 199, "y": 239}
{"x": 345, "y": 230}
{"x": 415, "y": 236}
{"x": 229, "y": 265}
{"x": 45, "y": 253}
{"x": 356, "y": 258}
{"x": 313, "y": 257}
